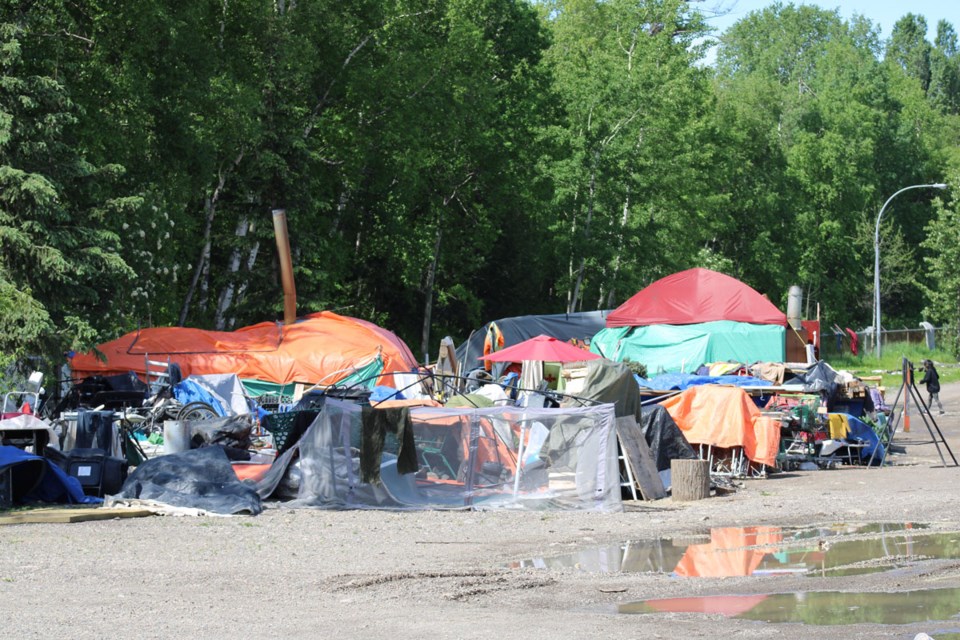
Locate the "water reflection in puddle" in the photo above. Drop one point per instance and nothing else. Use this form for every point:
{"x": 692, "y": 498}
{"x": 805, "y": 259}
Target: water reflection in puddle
{"x": 758, "y": 551}
{"x": 816, "y": 607}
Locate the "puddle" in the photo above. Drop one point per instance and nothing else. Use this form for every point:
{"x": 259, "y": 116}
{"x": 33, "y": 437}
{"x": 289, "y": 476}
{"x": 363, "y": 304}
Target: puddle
{"x": 759, "y": 551}
{"x": 816, "y": 607}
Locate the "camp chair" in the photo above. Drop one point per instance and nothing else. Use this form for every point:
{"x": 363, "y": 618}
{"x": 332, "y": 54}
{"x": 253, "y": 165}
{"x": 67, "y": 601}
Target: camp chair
{"x": 156, "y": 374}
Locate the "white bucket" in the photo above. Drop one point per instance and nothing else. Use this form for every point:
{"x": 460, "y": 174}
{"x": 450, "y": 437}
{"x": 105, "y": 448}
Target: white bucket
{"x": 176, "y": 436}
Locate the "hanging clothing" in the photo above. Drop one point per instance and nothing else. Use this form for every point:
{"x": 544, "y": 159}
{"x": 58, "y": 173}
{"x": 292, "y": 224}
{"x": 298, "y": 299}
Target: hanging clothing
{"x": 376, "y": 423}
{"x": 854, "y": 341}
{"x": 839, "y": 426}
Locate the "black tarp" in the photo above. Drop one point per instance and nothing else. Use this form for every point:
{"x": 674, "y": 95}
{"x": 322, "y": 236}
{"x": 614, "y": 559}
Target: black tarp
{"x": 562, "y": 326}
{"x": 664, "y": 437}
{"x": 819, "y": 378}
{"x": 94, "y": 430}
{"x": 196, "y": 479}
{"x": 232, "y": 432}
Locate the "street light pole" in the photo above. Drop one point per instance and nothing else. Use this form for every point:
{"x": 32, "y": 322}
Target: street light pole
{"x": 876, "y": 257}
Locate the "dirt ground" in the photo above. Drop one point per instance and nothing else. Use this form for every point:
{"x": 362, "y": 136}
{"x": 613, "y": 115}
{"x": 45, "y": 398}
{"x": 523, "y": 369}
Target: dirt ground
{"x": 371, "y": 574}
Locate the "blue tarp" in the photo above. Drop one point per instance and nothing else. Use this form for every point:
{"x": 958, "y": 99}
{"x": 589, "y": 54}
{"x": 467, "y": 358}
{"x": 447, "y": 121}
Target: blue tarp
{"x": 862, "y": 432}
{"x": 682, "y": 381}
{"x": 381, "y": 394}
{"x": 189, "y": 391}
{"x": 53, "y": 485}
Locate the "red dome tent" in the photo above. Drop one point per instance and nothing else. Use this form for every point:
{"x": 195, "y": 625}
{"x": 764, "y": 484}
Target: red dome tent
{"x": 694, "y": 296}
{"x": 690, "y": 318}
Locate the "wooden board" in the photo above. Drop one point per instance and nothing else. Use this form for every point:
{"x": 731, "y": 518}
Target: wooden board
{"x": 70, "y": 514}
{"x": 638, "y": 456}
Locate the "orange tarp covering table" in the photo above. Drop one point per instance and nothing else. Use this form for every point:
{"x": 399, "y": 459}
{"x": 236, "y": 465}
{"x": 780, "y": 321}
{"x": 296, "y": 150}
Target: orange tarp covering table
{"x": 725, "y": 417}
{"x": 321, "y": 347}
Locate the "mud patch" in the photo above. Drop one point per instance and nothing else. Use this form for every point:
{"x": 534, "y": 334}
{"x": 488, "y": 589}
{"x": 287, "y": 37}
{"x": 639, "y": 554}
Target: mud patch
{"x": 452, "y": 585}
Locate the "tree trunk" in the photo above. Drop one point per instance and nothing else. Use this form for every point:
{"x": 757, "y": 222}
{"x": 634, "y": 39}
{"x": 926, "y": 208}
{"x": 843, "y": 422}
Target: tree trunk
{"x": 428, "y": 290}
{"x": 200, "y": 267}
{"x": 242, "y": 289}
{"x": 611, "y": 295}
{"x": 204, "y": 297}
{"x": 574, "y": 298}
{"x": 203, "y": 262}
{"x": 226, "y": 296}
{"x": 690, "y": 479}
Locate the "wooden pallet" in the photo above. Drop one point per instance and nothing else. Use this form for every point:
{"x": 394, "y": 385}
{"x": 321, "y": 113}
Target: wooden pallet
{"x": 70, "y": 514}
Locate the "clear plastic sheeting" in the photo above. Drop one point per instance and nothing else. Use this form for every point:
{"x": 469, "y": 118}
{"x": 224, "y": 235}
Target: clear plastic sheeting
{"x": 489, "y": 458}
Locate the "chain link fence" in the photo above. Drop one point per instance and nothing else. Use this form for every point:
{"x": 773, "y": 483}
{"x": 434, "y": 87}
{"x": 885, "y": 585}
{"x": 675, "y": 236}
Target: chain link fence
{"x": 832, "y": 344}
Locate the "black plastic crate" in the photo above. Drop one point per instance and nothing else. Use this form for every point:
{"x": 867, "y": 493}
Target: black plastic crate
{"x": 98, "y": 473}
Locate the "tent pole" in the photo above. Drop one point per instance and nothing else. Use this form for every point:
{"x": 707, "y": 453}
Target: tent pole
{"x": 516, "y": 477}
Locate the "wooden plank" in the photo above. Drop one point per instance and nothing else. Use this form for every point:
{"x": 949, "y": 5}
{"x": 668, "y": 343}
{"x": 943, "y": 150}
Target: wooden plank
{"x": 71, "y": 514}
{"x": 638, "y": 456}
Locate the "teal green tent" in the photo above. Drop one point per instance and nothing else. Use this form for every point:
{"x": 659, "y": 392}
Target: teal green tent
{"x": 669, "y": 348}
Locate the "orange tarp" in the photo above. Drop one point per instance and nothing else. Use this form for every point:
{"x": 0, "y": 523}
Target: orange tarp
{"x": 321, "y": 347}
{"x": 725, "y": 417}
{"x": 250, "y": 470}
{"x": 726, "y": 555}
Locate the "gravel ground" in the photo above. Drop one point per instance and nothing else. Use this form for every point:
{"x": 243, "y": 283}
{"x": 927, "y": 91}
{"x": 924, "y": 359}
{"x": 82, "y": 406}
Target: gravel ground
{"x": 370, "y": 574}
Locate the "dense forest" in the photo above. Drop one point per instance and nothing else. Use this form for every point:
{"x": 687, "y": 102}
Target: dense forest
{"x": 447, "y": 162}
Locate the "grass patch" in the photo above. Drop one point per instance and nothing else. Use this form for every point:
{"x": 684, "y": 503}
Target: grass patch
{"x": 890, "y": 363}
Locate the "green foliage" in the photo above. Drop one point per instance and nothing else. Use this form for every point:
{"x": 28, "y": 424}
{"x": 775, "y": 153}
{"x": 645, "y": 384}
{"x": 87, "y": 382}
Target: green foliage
{"x": 944, "y": 90}
{"x": 59, "y": 264}
{"x": 445, "y": 162}
{"x": 637, "y": 368}
{"x": 634, "y": 142}
{"x": 943, "y": 288}
{"x": 824, "y": 136}
{"x": 908, "y": 48}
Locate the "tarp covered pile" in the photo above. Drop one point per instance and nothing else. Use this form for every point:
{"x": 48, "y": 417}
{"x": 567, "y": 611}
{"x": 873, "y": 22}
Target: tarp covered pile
{"x": 725, "y": 417}
{"x": 321, "y": 347}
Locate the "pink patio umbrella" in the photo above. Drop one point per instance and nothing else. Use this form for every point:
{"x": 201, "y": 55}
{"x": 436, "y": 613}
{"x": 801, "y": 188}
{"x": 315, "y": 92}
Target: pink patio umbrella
{"x": 542, "y": 348}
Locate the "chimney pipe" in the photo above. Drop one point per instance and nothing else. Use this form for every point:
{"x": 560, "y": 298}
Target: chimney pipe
{"x": 286, "y": 266}
{"x": 794, "y": 307}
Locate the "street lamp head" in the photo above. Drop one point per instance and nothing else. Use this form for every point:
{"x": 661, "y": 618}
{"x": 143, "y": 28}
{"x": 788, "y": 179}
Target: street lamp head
{"x": 876, "y": 257}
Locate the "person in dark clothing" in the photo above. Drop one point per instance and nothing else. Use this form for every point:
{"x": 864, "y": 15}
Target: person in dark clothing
{"x": 932, "y": 379}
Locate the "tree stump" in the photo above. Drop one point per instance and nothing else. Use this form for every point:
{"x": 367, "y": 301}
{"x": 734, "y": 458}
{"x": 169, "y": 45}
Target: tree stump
{"x": 690, "y": 479}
